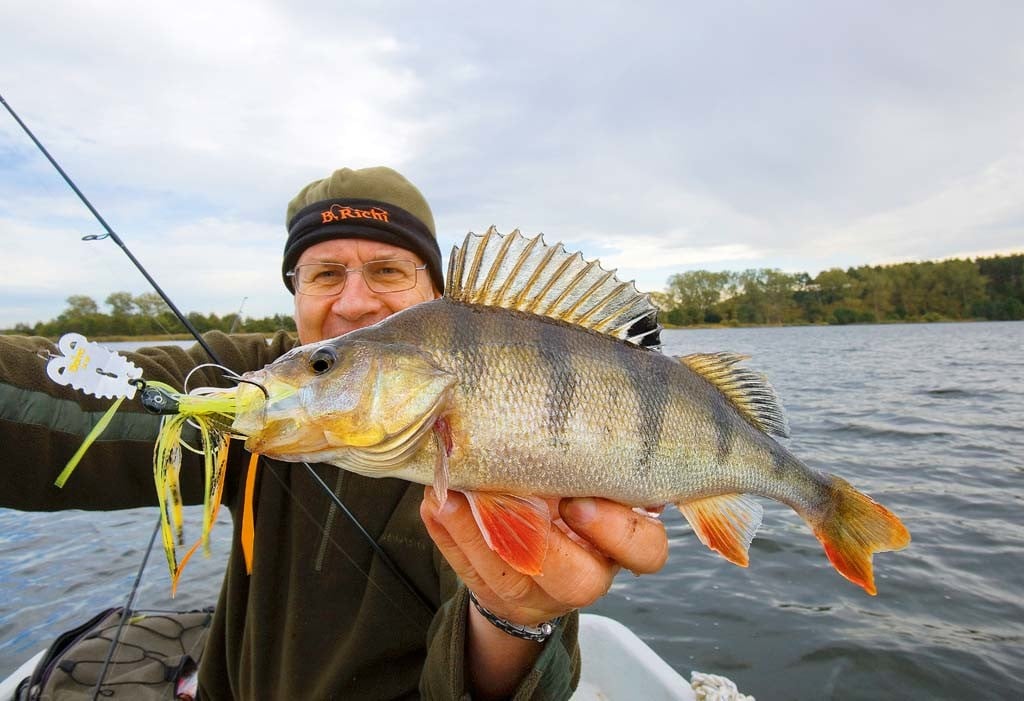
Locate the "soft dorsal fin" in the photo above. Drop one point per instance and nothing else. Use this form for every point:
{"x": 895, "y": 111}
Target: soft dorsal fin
{"x": 527, "y": 275}
{"x": 747, "y": 390}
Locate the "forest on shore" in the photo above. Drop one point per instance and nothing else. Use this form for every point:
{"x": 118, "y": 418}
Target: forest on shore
{"x": 143, "y": 315}
{"x": 951, "y": 290}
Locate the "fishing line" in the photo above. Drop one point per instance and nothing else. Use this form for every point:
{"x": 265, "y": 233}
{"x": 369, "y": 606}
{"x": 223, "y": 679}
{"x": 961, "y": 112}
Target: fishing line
{"x": 181, "y": 317}
{"x": 117, "y": 239}
{"x": 233, "y": 376}
{"x": 385, "y": 559}
{"x": 125, "y": 612}
{"x": 376, "y": 546}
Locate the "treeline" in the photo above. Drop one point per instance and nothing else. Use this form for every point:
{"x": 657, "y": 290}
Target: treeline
{"x": 983, "y": 288}
{"x": 142, "y": 315}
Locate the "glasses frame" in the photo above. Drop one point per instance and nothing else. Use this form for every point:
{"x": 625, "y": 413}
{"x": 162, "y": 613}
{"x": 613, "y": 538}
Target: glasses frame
{"x": 293, "y": 274}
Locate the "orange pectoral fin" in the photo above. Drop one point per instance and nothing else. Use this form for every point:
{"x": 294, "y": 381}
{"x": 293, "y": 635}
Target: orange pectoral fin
{"x": 515, "y": 527}
{"x": 725, "y": 523}
{"x": 443, "y": 443}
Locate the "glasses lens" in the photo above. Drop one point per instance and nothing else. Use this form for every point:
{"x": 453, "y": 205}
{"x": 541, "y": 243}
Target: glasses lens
{"x": 380, "y": 276}
{"x": 320, "y": 278}
{"x": 390, "y": 275}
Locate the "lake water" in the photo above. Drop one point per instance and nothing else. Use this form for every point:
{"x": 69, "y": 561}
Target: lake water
{"x": 928, "y": 419}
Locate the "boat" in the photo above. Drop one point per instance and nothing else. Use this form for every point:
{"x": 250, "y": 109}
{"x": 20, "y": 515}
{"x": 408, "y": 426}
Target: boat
{"x": 9, "y": 685}
{"x": 617, "y": 664}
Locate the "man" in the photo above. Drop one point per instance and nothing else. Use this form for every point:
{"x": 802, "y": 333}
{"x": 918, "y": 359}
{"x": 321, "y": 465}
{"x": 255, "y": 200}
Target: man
{"x": 320, "y": 616}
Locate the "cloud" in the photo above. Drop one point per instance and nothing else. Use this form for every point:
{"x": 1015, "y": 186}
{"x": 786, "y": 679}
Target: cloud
{"x": 684, "y": 135}
{"x": 983, "y": 211}
{"x": 207, "y": 99}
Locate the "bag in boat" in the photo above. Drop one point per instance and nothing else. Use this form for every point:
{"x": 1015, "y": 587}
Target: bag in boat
{"x": 156, "y": 658}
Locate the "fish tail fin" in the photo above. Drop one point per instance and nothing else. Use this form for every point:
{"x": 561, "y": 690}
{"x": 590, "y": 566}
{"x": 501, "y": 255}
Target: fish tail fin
{"x": 854, "y": 527}
{"x": 726, "y": 523}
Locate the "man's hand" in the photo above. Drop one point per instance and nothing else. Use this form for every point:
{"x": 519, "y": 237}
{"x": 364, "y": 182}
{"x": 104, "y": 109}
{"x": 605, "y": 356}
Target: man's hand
{"x": 575, "y": 574}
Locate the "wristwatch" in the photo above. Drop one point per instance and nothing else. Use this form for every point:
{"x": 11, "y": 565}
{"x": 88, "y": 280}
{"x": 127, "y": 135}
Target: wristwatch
{"x": 537, "y": 634}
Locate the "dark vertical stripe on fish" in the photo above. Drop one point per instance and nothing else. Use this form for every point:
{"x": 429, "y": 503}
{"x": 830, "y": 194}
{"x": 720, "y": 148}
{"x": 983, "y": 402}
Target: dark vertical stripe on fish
{"x": 465, "y": 333}
{"x": 723, "y": 417}
{"x": 780, "y": 460}
{"x": 562, "y": 380}
{"x": 649, "y": 380}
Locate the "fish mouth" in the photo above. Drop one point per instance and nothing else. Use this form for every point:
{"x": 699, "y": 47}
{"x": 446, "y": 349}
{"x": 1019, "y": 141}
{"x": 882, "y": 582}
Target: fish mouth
{"x": 272, "y": 418}
{"x": 250, "y": 416}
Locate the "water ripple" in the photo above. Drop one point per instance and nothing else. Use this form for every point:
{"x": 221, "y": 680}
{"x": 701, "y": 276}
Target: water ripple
{"x": 927, "y": 419}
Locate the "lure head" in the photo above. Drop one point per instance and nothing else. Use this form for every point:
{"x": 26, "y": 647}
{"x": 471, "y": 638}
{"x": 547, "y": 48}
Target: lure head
{"x": 326, "y": 398}
{"x": 157, "y": 400}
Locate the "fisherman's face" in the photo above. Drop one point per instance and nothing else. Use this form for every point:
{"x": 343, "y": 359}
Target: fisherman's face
{"x": 319, "y": 318}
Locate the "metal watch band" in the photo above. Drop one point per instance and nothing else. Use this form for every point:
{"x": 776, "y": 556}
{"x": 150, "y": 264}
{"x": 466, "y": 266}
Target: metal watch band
{"x": 537, "y": 634}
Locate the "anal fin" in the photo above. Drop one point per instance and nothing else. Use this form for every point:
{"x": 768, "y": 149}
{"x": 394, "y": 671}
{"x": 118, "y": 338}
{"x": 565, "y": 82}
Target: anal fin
{"x": 514, "y": 527}
{"x": 726, "y": 523}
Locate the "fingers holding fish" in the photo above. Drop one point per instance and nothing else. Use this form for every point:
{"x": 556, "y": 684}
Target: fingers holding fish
{"x": 575, "y": 573}
{"x": 497, "y": 586}
{"x": 635, "y": 541}
{"x": 573, "y": 576}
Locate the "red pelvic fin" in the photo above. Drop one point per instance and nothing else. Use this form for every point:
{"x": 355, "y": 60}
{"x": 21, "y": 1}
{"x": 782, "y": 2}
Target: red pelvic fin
{"x": 515, "y": 527}
{"x": 725, "y": 523}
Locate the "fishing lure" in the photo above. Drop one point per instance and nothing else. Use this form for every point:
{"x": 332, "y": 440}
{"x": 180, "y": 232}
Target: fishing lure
{"x": 97, "y": 371}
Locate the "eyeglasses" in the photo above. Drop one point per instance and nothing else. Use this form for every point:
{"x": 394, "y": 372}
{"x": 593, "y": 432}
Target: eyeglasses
{"x": 383, "y": 276}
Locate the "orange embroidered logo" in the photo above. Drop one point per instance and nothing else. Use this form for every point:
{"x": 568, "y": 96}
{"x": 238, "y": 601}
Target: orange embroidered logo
{"x": 337, "y": 213}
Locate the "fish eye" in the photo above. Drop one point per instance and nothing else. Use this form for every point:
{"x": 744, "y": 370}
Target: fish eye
{"x": 322, "y": 359}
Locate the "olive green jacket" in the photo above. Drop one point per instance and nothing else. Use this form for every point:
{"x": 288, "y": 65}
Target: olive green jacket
{"x": 321, "y": 616}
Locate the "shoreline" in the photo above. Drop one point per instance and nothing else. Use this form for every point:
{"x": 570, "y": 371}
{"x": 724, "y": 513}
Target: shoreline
{"x": 156, "y": 338}
{"x": 892, "y": 322}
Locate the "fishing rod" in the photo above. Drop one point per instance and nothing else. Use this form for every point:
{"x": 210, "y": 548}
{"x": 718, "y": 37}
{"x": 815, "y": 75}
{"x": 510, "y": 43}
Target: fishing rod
{"x": 110, "y": 233}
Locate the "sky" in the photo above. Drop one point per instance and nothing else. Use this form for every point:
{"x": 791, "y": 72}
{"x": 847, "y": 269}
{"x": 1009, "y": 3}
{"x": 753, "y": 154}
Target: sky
{"x": 657, "y": 137}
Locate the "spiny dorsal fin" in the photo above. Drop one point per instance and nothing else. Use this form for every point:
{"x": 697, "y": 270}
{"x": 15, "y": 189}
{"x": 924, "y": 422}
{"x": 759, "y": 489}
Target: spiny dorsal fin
{"x": 527, "y": 275}
{"x": 747, "y": 390}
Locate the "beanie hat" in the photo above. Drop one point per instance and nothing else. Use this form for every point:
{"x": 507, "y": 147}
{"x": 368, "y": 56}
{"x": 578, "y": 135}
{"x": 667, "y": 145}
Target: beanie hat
{"x": 377, "y": 204}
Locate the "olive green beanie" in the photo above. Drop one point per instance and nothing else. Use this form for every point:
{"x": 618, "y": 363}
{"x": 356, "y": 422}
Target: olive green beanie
{"x": 377, "y": 204}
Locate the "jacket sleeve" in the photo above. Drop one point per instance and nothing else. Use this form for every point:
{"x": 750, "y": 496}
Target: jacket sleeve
{"x": 555, "y": 674}
{"x": 42, "y": 424}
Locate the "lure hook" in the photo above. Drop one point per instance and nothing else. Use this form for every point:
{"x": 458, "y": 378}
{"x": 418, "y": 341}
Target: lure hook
{"x": 229, "y": 374}
{"x": 266, "y": 394}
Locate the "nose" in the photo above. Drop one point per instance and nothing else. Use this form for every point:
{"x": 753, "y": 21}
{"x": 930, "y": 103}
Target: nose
{"x": 356, "y": 300}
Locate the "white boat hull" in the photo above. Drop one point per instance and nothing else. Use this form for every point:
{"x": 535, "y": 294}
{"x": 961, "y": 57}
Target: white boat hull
{"x": 617, "y": 665}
